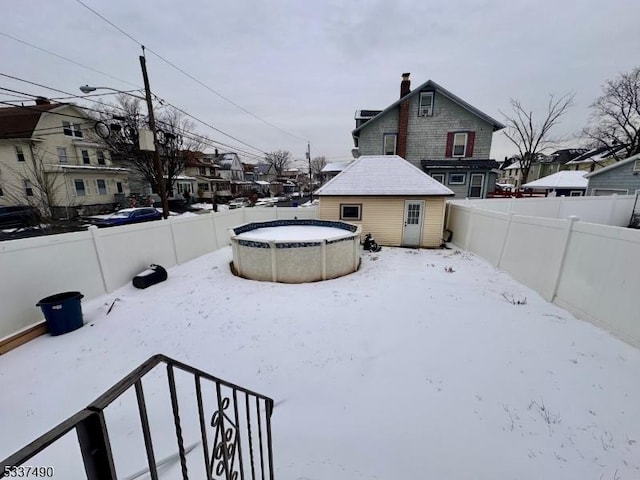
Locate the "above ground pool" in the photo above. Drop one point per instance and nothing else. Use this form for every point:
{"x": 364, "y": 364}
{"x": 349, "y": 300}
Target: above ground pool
{"x": 295, "y": 251}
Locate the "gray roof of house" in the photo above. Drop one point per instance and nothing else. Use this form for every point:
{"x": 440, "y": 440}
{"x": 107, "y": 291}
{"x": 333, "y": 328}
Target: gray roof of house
{"x": 433, "y": 86}
{"x": 460, "y": 164}
{"x": 382, "y": 175}
{"x": 608, "y": 168}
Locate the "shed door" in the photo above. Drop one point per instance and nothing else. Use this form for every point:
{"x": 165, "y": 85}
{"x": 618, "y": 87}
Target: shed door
{"x": 413, "y": 213}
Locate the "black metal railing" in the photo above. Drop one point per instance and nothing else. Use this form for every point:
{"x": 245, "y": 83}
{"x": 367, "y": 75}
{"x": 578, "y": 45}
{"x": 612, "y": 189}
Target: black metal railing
{"x": 235, "y": 441}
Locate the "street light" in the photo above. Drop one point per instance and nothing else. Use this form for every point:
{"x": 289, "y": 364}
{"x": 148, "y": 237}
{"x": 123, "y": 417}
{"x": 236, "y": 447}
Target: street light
{"x": 152, "y": 125}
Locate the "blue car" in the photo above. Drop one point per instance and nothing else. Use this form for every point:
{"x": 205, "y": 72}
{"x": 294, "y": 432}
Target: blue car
{"x": 127, "y": 216}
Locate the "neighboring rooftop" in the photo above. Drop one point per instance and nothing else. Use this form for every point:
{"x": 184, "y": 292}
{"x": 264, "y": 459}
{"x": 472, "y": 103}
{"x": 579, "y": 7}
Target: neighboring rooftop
{"x": 565, "y": 179}
{"x": 20, "y": 122}
{"x": 597, "y": 155}
{"x": 633, "y": 158}
{"x": 382, "y": 175}
{"x": 335, "y": 167}
{"x": 464, "y": 164}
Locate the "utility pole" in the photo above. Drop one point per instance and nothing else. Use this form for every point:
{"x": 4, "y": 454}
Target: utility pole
{"x": 310, "y": 174}
{"x": 156, "y": 152}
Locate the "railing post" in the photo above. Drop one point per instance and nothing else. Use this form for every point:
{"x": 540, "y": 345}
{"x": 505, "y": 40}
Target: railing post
{"x": 95, "y": 448}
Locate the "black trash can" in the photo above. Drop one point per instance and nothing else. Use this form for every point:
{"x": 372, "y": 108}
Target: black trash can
{"x": 154, "y": 274}
{"x": 62, "y": 312}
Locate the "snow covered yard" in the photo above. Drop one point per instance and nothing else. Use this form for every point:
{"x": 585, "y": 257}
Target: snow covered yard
{"x": 415, "y": 367}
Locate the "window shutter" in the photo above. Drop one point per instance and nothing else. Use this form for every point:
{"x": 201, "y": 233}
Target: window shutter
{"x": 449, "y": 150}
{"x": 471, "y": 136}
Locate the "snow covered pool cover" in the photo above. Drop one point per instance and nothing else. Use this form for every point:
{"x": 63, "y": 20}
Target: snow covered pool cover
{"x": 294, "y": 233}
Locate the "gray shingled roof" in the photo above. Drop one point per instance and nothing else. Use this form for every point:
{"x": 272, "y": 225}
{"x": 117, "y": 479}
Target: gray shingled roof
{"x": 431, "y": 85}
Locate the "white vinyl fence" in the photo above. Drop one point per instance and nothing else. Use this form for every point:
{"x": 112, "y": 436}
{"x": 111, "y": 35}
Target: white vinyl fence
{"x": 606, "y": 210}
{"x": 591, "y": 270}
{"x": 99, "y": 261}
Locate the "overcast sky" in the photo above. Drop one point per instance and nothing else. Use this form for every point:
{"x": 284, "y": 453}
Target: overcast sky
{"x": 307, "y": 66}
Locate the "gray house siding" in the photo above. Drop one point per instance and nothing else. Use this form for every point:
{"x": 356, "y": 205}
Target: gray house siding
{"x": 371, "y": 137}
{"x": 427, "y": 136}
{"x": 462, "y": 190}
{"x": 621, "y": 178}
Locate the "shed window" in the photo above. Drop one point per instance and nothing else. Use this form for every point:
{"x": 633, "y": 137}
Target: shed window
{"x": 350, "y": 212}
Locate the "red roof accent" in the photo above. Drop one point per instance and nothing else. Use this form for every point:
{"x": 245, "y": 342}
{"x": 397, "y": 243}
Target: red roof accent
{"x": 20, "y": 122}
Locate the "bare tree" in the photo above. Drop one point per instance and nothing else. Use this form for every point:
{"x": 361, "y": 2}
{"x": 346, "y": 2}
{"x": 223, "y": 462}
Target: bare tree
{"x": 317, "y": 164}
{"x": 37, "y": 184}
{"x": 280, "y": 159}
{"x": 615, "y": 118}
{"x": 175, "y": 138}
{"x": 531, "y": 137}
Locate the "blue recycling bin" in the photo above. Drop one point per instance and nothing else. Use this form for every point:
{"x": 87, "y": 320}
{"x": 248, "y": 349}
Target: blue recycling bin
{"x": 62, "y": 312}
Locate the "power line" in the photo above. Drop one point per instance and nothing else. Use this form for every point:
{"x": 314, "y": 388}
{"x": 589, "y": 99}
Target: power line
{"x": 121, "y": 109}
{"x": 188, "y": 74}
{"x": 66, "y": 59}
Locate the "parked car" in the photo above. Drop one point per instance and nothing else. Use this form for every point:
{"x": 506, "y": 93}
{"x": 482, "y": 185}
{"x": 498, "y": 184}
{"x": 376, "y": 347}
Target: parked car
{"x": 127, "y": 216}
{"x": 239, "y": 202}
{"x": 19, "y": 216}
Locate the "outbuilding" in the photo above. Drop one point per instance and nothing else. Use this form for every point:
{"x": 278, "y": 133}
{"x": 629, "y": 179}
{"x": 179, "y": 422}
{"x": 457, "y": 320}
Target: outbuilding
{"x": 396, "y": 202}
{"x": 621, "y": 178}
{"x": 565, "y": 183}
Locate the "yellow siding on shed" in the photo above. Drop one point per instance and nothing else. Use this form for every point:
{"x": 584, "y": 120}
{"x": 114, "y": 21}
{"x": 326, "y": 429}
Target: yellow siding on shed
{"x": 384, "y": 217}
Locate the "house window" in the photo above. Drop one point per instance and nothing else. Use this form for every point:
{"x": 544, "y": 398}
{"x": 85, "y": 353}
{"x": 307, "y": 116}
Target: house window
{"x": 389, "y": 141}
{"x": 476, "y": 185}
{"x": 71, "y": 129}
{"x": 350, "y": 212}
{"x": 212, "y": 171}
{"x": 19, "y": 153}
{"x": 102, "y": 187}
{"x": 101, "y": 160}
{"x": 203, "y": 186}
{"x": 119, "y": 187}
{"x": 439, "y": 177}
{"x": 457, "y": 178}
{"x": 202, "y": 170}
{"x": 79, "y": 185}
{"x": 575, "y": 193}
{"x": 62, "y": 155}
{"x": 85, "y": 157}
{"x": 636, "y": 166}
{"x": 459, "y": 144}
{"x": 426, "y": 104}
{"x": 28, "y": 188}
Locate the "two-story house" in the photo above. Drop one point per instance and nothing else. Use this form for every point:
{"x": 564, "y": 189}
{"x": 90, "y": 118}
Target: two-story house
{"x": 436, "y": 131}
{"x": 51, "y": 157}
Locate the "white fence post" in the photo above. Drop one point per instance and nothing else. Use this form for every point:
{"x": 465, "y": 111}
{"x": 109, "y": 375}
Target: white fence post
{"x": 173, "y": 240}
{"x": 505, "y": 239}
{"x": 612, "y": 211}
{"x": 96, "y": 248}
{"x": 565, "y": 248}
{"x": 559, "y": 209}
{"x": 467, "y": 237}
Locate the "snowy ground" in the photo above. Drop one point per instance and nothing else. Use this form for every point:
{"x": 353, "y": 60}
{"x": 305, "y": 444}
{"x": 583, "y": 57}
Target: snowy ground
{"x": 414, "y": 367}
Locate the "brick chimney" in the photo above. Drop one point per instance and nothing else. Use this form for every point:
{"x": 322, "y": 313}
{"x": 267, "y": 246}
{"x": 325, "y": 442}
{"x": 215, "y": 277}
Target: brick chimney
{"x": 403, "y": 117}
